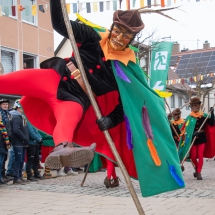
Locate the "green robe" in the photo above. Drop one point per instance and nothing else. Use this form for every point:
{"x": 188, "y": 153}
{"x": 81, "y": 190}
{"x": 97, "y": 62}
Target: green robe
{"x": 153, "y": 179}
{"x": 184, "y": 145}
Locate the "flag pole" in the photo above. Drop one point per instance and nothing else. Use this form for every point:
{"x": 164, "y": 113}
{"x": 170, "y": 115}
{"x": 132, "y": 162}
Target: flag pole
{"x": 97, "y": 111}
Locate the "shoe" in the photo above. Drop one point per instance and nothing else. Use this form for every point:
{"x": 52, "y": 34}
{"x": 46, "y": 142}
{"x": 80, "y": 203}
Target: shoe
{"x": 24, "y": 175}
{"x": 32, "y": 179}
{"x": 48, "y": 176}
{"x": 107, "y": 182}
{"x": 115, "y": 182}
{"x": 199, "y": 176}
{"x": 24, "y": 180}
{"x": 19, "y": 181}
{"x": 77, "y": 169}
{"x": 40, "y": 167}
{"x": 61, "y": 173}
{"x": 38, "y": 177}
{"x": 195, "y": 173}
{"x": 7, "y": 178}
{"x": 66, "y": 154}
{"x": 182, "y": 168}
{"x": 71, "y": 172}
{"x": 2, "y": 182}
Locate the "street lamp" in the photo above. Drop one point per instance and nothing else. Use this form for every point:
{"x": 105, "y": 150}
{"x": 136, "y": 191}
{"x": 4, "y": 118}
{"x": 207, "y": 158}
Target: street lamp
{"x": 166, "y": 38}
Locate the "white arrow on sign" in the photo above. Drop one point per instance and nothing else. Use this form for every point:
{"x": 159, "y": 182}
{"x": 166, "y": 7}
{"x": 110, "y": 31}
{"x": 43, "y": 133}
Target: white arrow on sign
{"x": 157, "y": 87}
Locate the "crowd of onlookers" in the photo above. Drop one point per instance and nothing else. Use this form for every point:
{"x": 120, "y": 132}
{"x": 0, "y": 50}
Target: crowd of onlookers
{"x": 20, "y": 148}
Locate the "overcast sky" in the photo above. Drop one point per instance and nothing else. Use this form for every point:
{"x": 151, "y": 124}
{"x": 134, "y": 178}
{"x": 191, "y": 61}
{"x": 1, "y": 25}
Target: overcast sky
{"x": 193, "y": 27}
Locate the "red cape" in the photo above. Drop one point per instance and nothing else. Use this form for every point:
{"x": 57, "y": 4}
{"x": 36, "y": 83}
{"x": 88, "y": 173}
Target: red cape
{"x": 209, "y": 151}
{"x": 39, "y": 113}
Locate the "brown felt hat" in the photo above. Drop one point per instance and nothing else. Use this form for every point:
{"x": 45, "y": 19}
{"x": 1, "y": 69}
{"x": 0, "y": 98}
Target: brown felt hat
{"x": 195, "y": 100}
{"x": 177, "y": 111}
{"x": 129, "y": 19}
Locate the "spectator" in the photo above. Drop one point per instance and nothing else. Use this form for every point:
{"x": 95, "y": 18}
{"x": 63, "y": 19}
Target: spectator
{"x": 6, "y": 117}
{"x": 4, "y": 146}
{"x": 33, "y": 153}
{"x": 19, "y": 140}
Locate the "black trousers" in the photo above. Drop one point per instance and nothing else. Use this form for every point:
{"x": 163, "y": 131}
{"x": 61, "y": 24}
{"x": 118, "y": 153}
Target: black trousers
{"x": 32, "y": 160}
{"x": 4, "y": 166}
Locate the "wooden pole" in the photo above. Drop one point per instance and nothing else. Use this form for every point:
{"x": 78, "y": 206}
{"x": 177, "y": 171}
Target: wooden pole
{"x": 97, "y": 111}
{"x": 171, "y": 122}
{"x": 195, "y": 136}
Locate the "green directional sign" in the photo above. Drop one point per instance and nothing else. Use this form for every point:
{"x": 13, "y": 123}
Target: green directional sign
{"x": 159, "y": 67}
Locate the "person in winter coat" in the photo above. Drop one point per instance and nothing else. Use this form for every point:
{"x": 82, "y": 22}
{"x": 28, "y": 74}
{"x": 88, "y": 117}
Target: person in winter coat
{"x": 4, "y": 146}
{"x": 19, "y": 140}
{"x": 6, "y": 117}
{"x": 33, "y": 153}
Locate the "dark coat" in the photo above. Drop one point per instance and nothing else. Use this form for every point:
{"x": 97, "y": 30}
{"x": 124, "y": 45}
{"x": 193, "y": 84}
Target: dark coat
{"x": 19, "y": 131}
{"x": 3, "y": 148}
{"x": 201, "y": 138}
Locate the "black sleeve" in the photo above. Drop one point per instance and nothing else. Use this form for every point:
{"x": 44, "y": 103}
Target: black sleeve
{"x": 82, "y": 32}
{"x": 117, "y": 115}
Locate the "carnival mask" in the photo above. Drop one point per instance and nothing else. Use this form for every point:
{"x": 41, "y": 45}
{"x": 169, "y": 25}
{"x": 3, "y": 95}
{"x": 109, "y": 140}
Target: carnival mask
{"x": 119, "y": 38}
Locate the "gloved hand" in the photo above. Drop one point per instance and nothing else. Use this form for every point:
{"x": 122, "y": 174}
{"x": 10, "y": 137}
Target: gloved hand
{"x": 104, "y": 123}
{"x": 196, "y": 133}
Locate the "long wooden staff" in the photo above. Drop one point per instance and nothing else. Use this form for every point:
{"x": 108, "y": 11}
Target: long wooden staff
{"x": 195, "y": 136}
{"x": 97, "y": 111}
{"x": 170, "y": 121}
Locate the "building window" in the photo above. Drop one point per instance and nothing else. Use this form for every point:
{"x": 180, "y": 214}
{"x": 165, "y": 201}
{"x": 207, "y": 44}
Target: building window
{"x": 173, "y": 101}
{"x": 27, "y": 12}
{"x": 179, "y": 101}
{"x": 6, "y": 6}
{"x": 29, "y": 61}
{"x": 8, "y": 60}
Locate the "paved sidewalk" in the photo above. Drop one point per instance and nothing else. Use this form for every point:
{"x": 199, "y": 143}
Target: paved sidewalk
{"x": 64, "y": 196}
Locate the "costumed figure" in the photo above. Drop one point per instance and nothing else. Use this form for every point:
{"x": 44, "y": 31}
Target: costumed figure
{"x": 193, "y": 122}
{"x": 176, "y": 124}
{"x": 133, "y": 112}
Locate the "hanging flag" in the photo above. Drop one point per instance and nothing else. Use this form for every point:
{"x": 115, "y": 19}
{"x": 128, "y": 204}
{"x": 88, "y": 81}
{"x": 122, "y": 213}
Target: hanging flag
{"x": 41, "y": 8}
{"x": 149, "y": 3}
{"x": 0, "y": 10}
{"x": 134, "y": 2}
{"x": 128, "y": 4}
{"x": 162, "y": 3}
{"x": 174, "y": 1}
{"x": 95, "y": 7}
{"x": 156, "y": 2}
{"x": 114, "y": 5}
{"x": 169, "y": 2}
{"x": 34, "y": 10}
{"x": 107, "y": 5}
{"x": 101, "y": 6}
{"x": 88, "y": 7}
{"x": 13, "y": 10}
{"x": 20, "y": 7}
{"x": 6, "y": 10}
{"x": 74, "y": 6}
{"x": 141, "y": 3}
{"x": 68, "y": 8}
{"x": 27, "y": 10}
{"x": 46, "y": 6}
{"x": 160, "y": 60}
